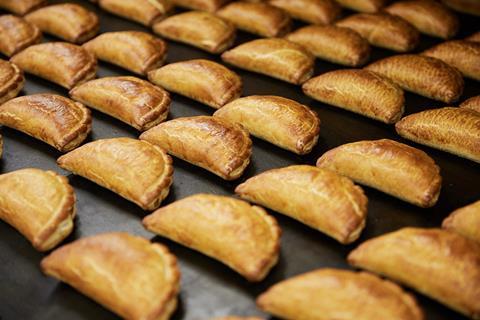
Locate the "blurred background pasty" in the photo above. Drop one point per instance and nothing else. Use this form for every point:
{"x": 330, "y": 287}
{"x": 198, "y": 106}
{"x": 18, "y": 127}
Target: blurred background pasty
{"x": 203, "y": 5}
{"x": 146, "y": 12}
{"x": 311, "y": 11}
{"x": 465, "y": 221}
{"x": 363, "y": 5}
{"x": 21, "y": 7}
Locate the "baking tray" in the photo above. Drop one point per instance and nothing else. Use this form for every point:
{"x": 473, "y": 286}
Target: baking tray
{"x": 209, "y": 288}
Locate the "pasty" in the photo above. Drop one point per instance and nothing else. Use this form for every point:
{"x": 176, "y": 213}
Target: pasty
{"x": 454, "y": 130}
{"x": 368, "y": 6}
{"x": 465, "y": 6}
{"x": 39, "y": 204}
{"x": 146, "y": 12}
{"x": 11, "y": 81}
{"x": 16, "y": 34}
{"x": 21, "y": 7}
{"x": 465, "y": 221}
{"x": 258, "y": 18}
{"x": 202, "y": 80}
{"x": 136, "y": 170}
{"x": 389, "y": 166}
{"x": 281, "y": 121}
{"x": 62, "y": 123}
{"x": 339, "y": 294}
{"x": 474, "y": 37}
{"x": 136, "y": 51}
{"x": 203, "y": 5}
{"x": 422, "y": 75}
{"x": 472, "y": 103}
{"x": 383, "y": 30}
{"x": 62, "y": 63}
{"x": 208, "y": 142}
{"x": 203, "y": 30}
{"x": 131, "y": 100}
{"x": 428, "y": 16}
{"x": 232, "y": 231}
{"x": 316, "y": 197}
{"x": 311, "y": 11}
{"x": 277, "y": 58}
{"x": 461, "y": 54}
{"x": 429, "y": 261}
{"x": 331, "y": 43}
{"x": 126, "y": 274}
{"x": 359, "y": 91}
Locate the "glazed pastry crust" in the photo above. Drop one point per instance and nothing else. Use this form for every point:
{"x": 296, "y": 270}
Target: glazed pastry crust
{"x": 383, "y": 30}
{"x": 62, "y": 123}
{"x": 465, "y": 6}
{"x": 473, "y": 103}
{"x": 474, "y": 37}
{"x": 461, "y": 54}
{"x": 226, "y": 229}
{"x": 339, "y": 294}
{"x": 312, "y": 11}
{"x": 21, "y": 7}
{"x": 16, "y": 34}
{"x": 203, "y": 30}
{"x": 428, "y": 16}
{"x": 422, "y": 75}
{"x": 136, "y": 170}
{"x": 277, "y": 58}
{"x": 76, "y": 25}
{"x": 208, "y": 142}
{"x": 11, "y": 81}
{"x": 465, "y": 221}
{"x": 359, "y": 91}
{"x": 454, "y": 130}
{"x": 368, "y": 6}
{"x": 62, "y": 63}
{"x": 406, "y": 256}
{"x": 389, "y": 166}
{"x": 126, "y": 274}
{"x": 202, "y": 5}
{"x": 281, "y": 121}
{"x": 136, "y": 51}
{"x": 258, "y": 18}
{"x": 331, "y": 43}
{"x": 202, "y": 80}
{"x": 39, "y": 204}
{"x": 145, "y": 12}
{"x": 316, "y": 197}
{"x": 131, "y": 100}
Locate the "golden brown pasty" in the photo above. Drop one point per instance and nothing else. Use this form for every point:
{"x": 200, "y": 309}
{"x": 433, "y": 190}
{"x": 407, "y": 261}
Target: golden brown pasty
{"x": 383, "y": 30}
{"x": 331, "y": 43}
{"x": 11, "y": 81}
{"x": 422, "y": 75}
{"x": 258, "y": 18}
{"x": 16, "y": 34}
{"x": 53, "y": 119}
{"x": 281, "y": 121}
{"x": 465, "y": 6}
{"x": 389, "y": 166}
{"x": 428, "y": 16}
{"x": 62, "y": 63}
{"x": 277, "y": 58}
{"x": 312, "y": 11}
{"x": 368, "y": 6}
{"x": 1, "y": 146}
{"x": 339, "y": 294}
{"x": 202, "y": 80}
{"x": 136, "y": 170}
{"x": 21, "y": 7}
{"x": 131, "y": 100}
{"x": 359, "y": 91}
{"x": 208, "y": 142}
{"x": 461, "y": 54}
{"x": 203, "y": 5}
{"x": 465, "y": 221}
{"x": 39, "y": 204}
{"x": 472, "y": 103}
{"x": 242, "y": 236}
{"x": 454, "y": 130}
{"x": 146, "y": 12}
{"x": 429, "y": 261}
{"x": 76, "y": 24}
{"x": 126, "y": 274}
{"x": 136, "y": 51}
{"x": 203, "y": 30}
{"x": 474, "y": 37}
{"x": 316, "y": 197}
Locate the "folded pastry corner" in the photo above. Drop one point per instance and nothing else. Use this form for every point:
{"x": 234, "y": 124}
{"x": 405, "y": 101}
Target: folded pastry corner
{"x": 465, "y": 221}
{"x": 21, "y": 7}
{"x": 242, "y": 236}
{"x": 312, "y": 11}
{"x": 368, "y": 6}
{"x": 126, "y": 274}
{"x": 472, "y": 103}
{"x": 145, "y": 12}
{"x": 39, "y": 204}
{"x": 11, "y": 80}
{"x": 17, "y": 34}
